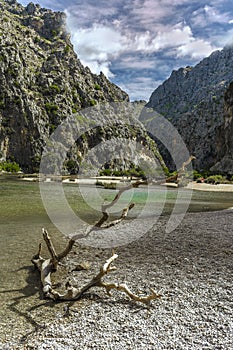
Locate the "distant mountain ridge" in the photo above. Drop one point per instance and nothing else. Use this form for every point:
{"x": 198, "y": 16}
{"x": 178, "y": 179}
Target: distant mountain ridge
{"x": 193, "y": 99}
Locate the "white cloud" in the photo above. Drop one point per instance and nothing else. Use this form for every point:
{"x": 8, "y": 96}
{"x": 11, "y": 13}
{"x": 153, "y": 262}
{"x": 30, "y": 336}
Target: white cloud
{"x": 87, "y": 13}
{"x": 101, "y": 44}
{"x": 137, "y": 63}
{"x": 148, "y": 35}
{"x": 142, "y": 42}
{"x": 225, "y": 38}
{"x": 149, "y": 14}
{"x": 139, "y": 87}
{"x": 207, "y": 15}
{"x": 214, "y": 16}
{"x": 97, "y": 46}
{"x": 177, "y": 41}
{"x": 172, "y": 38}
{"x": 195, "y": 49}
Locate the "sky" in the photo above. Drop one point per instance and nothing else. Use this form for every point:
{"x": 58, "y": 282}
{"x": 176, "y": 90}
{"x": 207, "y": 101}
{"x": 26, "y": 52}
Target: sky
{"x": 137, "y": 43}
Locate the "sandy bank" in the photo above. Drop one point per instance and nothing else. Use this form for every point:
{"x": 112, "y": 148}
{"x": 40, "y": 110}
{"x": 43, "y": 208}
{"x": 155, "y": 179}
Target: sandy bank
{"x": 208, "y": 187}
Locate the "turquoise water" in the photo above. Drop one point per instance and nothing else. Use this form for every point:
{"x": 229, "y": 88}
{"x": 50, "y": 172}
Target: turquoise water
{"x": 22, "y": 214}
{"x": 22, "y": 217}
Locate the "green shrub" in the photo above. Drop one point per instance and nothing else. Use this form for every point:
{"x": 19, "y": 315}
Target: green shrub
{"x": 54, "y": 33}
{"x": 51, "y": 108}
{"x": 196, "y": 175}
{"x": 72, "y": 166}
{"x": 55, "y": 88}
{"x": 66, "y": 49}
{"x": 81, "y": 119}
{"x": 215, "y": 179}
{"x": 52, "y": 127}
{"x": 92, "y": 102}
{"x": 17, "y": 101}
{"x": 11, "y": 167}
{"x": 136, "y": 172}
{"x": 106, "y": 172}
{"x": 117, "y": 173}
{"x": 11, "y": 72}
{"x": 97, "y": 87}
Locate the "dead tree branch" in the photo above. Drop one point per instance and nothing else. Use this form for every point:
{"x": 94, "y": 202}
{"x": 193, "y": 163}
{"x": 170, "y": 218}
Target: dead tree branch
{"x": 49, "y": 266}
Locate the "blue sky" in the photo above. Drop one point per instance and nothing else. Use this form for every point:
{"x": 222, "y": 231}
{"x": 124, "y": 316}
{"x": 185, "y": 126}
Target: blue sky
{"x": 137, "y": 43}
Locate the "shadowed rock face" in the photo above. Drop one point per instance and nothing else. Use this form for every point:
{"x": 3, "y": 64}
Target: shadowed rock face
{"x": 41, "y": 81}
{"x": 224, "y": 136}
{"x": 194, "y": 100}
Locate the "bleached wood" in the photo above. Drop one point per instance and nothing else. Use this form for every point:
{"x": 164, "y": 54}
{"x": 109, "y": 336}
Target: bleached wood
{"x": 48, "y": 266}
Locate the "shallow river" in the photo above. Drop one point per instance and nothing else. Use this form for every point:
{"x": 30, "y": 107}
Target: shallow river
{"x": 22, "y": 215}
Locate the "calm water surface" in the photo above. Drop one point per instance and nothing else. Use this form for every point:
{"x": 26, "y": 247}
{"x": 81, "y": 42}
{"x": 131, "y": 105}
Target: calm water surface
{"x": 22, "y": 216}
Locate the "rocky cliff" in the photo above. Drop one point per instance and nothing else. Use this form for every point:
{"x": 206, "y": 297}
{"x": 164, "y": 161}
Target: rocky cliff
{"x": 224, "y": 136}
{"x": 42, "y": 82}
{"x": 194, "y": 100}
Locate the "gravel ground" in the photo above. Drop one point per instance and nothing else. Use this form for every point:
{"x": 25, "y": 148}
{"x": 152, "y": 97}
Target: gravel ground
{"x": 191, "y": 267}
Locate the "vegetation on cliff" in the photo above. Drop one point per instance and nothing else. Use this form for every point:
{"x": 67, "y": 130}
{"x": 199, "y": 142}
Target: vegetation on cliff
{"x": 196, "y": 100}
{"x": 42, "y": 82}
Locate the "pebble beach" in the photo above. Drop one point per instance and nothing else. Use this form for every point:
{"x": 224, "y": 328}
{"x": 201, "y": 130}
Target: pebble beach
{"x": 191, "y": 268}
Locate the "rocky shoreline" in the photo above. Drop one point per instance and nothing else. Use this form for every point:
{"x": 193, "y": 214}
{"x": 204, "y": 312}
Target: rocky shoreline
{"x": 191, "y": 267}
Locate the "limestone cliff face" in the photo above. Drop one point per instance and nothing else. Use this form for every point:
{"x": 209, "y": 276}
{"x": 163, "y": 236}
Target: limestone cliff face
{"x": 41, "y": 81}
{"x": 192, "y": 99}
{"x": 225, "y": 136}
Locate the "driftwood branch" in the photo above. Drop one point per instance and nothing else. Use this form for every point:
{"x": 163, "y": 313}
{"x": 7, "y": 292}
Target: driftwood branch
{"x": 102, "y": 223}
{"x": 49, "y": 266}
{"x": 121, "y": 191}
{"x": 105, "y": 207}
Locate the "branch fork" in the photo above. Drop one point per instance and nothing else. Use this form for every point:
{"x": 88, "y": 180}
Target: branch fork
{"x": 49, "y": 266}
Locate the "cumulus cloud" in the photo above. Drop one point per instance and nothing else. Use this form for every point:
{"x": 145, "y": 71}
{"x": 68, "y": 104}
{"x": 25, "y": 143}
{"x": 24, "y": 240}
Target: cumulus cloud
{"x": 174, "y": 37}
{"x": 196, "y": 49}
{"x": 97, "y": 46}
{"x": 125, "y": 36}
{"x": 133, "y": 26}
{"x": 86, "y": 13}
{"x": 150, "y": 14}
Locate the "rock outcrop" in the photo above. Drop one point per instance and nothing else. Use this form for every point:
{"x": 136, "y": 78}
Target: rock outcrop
{"x": 224, "y": 136}
{"x": 42, "y": 82}
{"x": 192, "y": 99}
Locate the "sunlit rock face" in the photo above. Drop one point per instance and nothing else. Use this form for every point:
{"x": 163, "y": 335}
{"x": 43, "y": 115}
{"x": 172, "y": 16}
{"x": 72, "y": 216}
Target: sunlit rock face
{"x": 42, "y": 82}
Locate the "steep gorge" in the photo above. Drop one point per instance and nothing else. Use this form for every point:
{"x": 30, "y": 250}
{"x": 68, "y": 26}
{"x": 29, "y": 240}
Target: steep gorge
{"x": 196, "y": 101}
{"x": 42, "y": 82}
